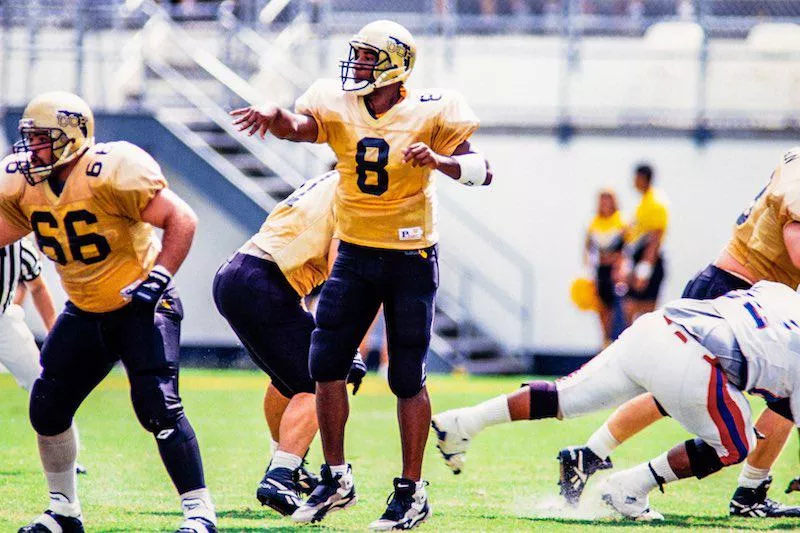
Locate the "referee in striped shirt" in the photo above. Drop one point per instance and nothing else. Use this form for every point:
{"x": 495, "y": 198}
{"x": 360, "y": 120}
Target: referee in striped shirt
{"x": 20, "y": 273}
{"x": 20, "y": 267}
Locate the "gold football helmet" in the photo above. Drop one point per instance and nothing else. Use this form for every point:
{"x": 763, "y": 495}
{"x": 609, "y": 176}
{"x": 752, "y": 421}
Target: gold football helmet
{"x": 55, "y": 128}
{"x": 396, "y": 52}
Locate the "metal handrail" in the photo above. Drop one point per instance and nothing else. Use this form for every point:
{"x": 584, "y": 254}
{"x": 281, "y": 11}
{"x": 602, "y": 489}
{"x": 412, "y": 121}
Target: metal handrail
{"x": 269, "y": 158}
{"x": 160, "y": 21}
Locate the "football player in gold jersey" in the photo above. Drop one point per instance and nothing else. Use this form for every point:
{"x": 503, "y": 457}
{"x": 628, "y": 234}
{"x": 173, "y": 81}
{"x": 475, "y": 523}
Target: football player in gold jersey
{"x": 260, "y": 293}
{"x": 388, "y": 140}
{"x": 92, "y": 208}
{"x": 765, "y": 246}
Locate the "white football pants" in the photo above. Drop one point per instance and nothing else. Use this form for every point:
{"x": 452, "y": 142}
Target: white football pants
{"x": 657, "y": 356}
{"x": 18, "y": 350}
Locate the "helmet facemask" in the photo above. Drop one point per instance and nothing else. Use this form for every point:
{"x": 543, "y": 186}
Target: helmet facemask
{"x": 351, "y": 81}
{"x": 37, "y": 158}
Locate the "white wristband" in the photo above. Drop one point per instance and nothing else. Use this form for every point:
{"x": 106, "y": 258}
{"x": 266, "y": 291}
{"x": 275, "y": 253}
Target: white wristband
{"x": 643, "y": 270}
{"x": 162, "y": 270}
{"x": 473, "y": 169}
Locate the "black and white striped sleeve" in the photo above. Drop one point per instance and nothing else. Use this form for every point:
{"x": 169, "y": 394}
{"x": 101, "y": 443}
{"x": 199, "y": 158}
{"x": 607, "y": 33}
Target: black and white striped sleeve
{"x": 30, "y": 263}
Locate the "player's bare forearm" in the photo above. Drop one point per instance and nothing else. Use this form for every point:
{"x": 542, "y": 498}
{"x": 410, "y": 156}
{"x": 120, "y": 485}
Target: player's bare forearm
{"x": 791, "y": 238}
{"x": 168, "y": 212}
{"x": 43, "y": 301}
{"x": 278, "y": 121}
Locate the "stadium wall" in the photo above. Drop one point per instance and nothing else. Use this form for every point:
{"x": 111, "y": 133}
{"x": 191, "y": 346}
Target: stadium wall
{"x": 543, "y": 197}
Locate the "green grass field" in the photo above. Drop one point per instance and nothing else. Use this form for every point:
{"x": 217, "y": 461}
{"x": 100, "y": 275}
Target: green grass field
{"x": 508, "y": 485}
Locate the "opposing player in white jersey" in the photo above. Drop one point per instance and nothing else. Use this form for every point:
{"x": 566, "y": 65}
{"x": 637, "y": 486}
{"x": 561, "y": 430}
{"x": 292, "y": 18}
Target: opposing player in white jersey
{"x": 696, "y": 357}
{"x": 765, "y": 245}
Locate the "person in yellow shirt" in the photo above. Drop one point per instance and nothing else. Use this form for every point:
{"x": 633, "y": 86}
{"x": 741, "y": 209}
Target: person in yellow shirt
{"x": 605, "y": 239}
{"x": 260, "y": 292}
{"x": 642, "y": 268}
{"x": 765, "y": 245}
{"x": 93, "y": 208}
{"x": 388, "y": 140}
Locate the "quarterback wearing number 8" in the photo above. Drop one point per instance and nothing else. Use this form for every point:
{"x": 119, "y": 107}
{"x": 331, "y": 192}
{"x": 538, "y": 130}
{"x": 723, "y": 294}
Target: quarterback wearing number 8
{"x": 92, "y": 208}
{"x": 388, "y": 140}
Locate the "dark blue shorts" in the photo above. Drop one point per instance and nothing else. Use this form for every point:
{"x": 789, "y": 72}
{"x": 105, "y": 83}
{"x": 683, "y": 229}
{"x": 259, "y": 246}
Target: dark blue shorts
{"x": 83, "y": 347}
{"x": 266, "y": 314}
{"x": 650, "y": 292}
{"x": 405, "y": 282}
{"x": 605, "y": 285}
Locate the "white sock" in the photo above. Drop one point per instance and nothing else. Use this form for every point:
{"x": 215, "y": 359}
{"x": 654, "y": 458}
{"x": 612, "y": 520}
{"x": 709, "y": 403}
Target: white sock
{"x": 489, "y": 413}
{"x": 285, "y": 460}
{"x": 639, "y": 479}
{"x": 660, "y": 466}
{"x": 602, "y": 442}
{"x": 751, "y": 477}
{"x": 58, "y": 453}
{"x": 197, "y": 504}
{"x": 273, "y": 447}
{"x": 338, "y": 469}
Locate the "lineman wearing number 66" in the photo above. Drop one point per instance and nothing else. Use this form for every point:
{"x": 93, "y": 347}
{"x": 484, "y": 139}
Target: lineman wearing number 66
{"x": 92, "y": 208}
{"x": 387, "y": 141}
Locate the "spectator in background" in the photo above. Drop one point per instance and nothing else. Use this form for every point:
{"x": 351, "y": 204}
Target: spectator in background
{"x": 642, "y": 266}
{"x": 605, "y": 239}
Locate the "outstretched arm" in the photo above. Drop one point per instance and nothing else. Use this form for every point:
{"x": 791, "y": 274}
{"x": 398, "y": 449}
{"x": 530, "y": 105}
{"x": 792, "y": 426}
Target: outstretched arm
{"x": 461, "y": 165}
{"x": 280, "y": 122}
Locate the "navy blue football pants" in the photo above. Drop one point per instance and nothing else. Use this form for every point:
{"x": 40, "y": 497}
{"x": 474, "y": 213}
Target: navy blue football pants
{"x": 81, "y": 350}
{"x": 405, "y": 282}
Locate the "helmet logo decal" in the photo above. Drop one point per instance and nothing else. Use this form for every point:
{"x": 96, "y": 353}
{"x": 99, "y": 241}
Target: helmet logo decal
{"x": 396, "y": 46}
{"x": 74, "y": 119}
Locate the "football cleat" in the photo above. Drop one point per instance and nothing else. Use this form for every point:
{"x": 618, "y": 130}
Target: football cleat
{"x": 627, "y": 503}
{"x": 451, "y": 441}
{"x": 408, "y": 507}
{"x": 278, "y": 491}
{"x": 306, "y": 481}
{"x": 80, "y": 469}
{"x": 333, "y": 493}
{"x": 753, "y": 503}
{"x": 577, "y": 464}
{"x": 50, "y": 522}
{"x": 197, "y": 525}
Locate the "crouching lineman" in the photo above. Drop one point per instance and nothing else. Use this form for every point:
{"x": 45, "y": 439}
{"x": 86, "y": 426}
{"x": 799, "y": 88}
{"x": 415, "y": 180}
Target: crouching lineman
{"x": 765, "y": 245}
{"x": 275, "y": 270}
{"x": 695, "y": 357}
{"x": 92, "y": 208}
